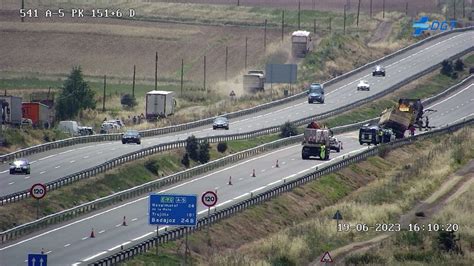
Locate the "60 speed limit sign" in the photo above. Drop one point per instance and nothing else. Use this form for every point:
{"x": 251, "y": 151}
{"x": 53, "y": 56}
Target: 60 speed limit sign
{"x": 38, "y": 191}
{"x": 209, "y": 198}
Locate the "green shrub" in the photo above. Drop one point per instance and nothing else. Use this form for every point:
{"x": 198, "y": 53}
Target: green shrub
{"x": 222, "y": 147}
{"x": 192, "y": 146}
{"x": 459, "y": 65}
{"x": 185, "y": 160}
{"x": 288, "y": 130}
{"x": 204, "y": 155}
{"x": 152, "y": 166}
{"x": 367, "y": 258}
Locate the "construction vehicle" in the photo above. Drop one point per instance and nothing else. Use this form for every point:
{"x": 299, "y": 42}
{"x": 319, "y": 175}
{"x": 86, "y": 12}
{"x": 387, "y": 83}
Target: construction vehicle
{"x": 315, "y": 138}
{"x": 254, "y": 81}
{"x": 407, "y": 113}
{"x": 301, "y": 43}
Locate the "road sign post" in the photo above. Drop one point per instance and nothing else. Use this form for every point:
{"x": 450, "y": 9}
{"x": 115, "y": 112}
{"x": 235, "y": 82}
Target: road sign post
{"x": 209, "y": 199}
{"x": 172, "y": 210}
{"x": 37, "y": 260}
{"x": 38, "y": 191}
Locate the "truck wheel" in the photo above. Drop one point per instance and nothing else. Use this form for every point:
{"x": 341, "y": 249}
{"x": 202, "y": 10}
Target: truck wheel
{"x": 123, "y": 142}
{"x": 227, "y": 128}
{"x": 12, "y": 172}
{"x": 310, "y": 102}
{"x": 139, "y": 142}
{"x": 304, "y": 156}
{"x": 27, "y": 172}
{"x": 338, "y": 149}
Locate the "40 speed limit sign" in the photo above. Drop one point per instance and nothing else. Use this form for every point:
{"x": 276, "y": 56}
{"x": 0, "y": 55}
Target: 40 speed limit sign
{"x": 209, "y": 198}
{"x": 38, "y": 191}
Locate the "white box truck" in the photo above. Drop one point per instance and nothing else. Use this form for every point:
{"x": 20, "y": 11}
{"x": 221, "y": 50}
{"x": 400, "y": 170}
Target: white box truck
{"x": 10, "y": 110}
{"x": 159, "y": 104}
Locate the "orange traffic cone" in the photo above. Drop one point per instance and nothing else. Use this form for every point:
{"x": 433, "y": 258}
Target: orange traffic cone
{"x": 230, "y": 180}
{"x": 253, "y": 173}
{"x": 92, "y": 233}
{"x": 124, "y": 223}
{"x": 277, "y": 165}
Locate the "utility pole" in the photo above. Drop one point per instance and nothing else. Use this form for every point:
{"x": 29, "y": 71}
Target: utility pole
{"x": 358, "y": 12}
{"x": 282, "y": 24}
{"x": 156, "y": 71}
{"x": 246, "y": 46}
{"x": 299, "y": 15}
{"x": 265, "y": 36}
{"x": 463, "y": 8}
{"x": 454, "y": 7}
{"x": 133, "y": 82}
{"x": 370, "y": 8}
{"x": 103, "y": 99}
{"x": 383, "y": 9}
{"x": 406, "y": 8}
{"x": 314, "y": 26}
{"x": 330, "y": 20}
{"x": 226, "y": 55}
{"x": 182, "y": 75}
{"x": 205, "y": 74}
{"x": 344, "y": 19}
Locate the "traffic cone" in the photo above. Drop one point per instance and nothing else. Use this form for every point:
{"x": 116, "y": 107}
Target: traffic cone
{"x": 124, "y": 223}
{"x": 230, "y": 180}
{"x": 276, "y": 165}
{"x": 253, "y": 173}
{"x": 92, "y": 233}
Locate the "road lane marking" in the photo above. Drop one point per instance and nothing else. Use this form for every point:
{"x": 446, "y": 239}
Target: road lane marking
{"x": 143, "y": 236}
{"x": 57, "y": 166}
{"x": 241, "y": 196}
{"x": 26, "y": 177}
{"x": 450, "y": 97}
{"x": 95, "y": 256}
{"x": 223, "y": 203}
{"x": 47, "y": 157}
{"x": 84, "y": 238}
{"x": 42, "y": 172}
{"x": 260, "y": 188}
{"x": 67, "y": 245}
{"x": 4, "y": 171}
{"x": 116, "y": 247}
{"x": 72, "y": 161}
{"x": 134, "y": 219}
{"x": 11, "y": 183}
{"x": 85, "y": 157}
{"x": 273, "y": 183}
{"x": 118, "y": 225}
{"x": 100, "y": 232}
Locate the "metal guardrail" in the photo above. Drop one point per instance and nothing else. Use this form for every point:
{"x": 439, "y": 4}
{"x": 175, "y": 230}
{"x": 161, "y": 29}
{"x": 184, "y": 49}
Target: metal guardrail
{"x": 178, "y": 233}
{"x": 154, "y": 185}
{"x": 202, "y": 122}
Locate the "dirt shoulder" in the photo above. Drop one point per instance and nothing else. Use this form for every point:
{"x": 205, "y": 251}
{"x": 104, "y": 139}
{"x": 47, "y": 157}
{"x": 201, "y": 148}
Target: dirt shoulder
{"x": 454, "y": 186}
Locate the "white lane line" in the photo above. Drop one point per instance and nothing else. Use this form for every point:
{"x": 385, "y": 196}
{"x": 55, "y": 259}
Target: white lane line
{"x": 4, "y": 171}
{"x": 134, "y": 219}
{"x": 72, "y": 161}
{"x": 143, "y": 236}
{"x": 67, "y": 245}
{"x": 100, "y": 232}
{"x": 450, "y": 97}
{"x": 42, "y": 172}
{"x": 118, "y": 225}
{"x": 260, "y": 188}
{"x": 26, "y": 177}
{"x": 75, "y": 264}
{"x": 223, "y": 203}
{"x": 47, "y": 157}
{"x": 11, "y": 183}
{"x": 57, "y": 166}
{"x": 116, "y": 247}
{"x": 66, "y": 151}
{"x": 273, "y": 183}
{"x": 33, "y": 162}
{"x": 241, "y": 196}
{"x": 241, "y": 178}
{"x": 48, "y": 252}
{"x": 263, "y": 170}
{"x": 85, "y": 157}
{"x": 95, "y": 256}
{"x": 300, "y": 172}
{"x": 126, "y": 243}
{"x": 99, "y": 152}
{"x": 84, "y": 238}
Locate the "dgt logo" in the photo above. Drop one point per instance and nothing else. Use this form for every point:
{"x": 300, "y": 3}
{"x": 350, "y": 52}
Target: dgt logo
{"x": 422, "y": 25}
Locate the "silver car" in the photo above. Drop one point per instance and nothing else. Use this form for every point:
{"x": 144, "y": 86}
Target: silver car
{"x": 221, "y": 122}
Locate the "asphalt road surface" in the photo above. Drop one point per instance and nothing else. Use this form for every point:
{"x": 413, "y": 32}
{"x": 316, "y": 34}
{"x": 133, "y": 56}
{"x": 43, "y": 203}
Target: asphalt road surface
{"x": 69, "y": 243}
{"x": 53, "y": 164}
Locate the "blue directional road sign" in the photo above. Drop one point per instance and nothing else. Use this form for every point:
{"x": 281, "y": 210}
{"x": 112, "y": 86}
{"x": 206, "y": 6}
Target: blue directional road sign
{"x": 176, "y": 210}
{"x": 37, "y": 260}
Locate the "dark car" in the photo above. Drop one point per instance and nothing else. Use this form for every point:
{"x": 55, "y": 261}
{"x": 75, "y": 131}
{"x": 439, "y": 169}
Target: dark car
{"x": 131, "y": 136}
{"x": 316, "y": 93}
{"x": 378, "y": 71}
{"x": 20, "y": 166}
{"x": 220, "y": 122}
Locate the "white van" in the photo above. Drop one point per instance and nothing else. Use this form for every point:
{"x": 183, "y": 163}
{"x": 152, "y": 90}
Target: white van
{"x": 71, "y": 127}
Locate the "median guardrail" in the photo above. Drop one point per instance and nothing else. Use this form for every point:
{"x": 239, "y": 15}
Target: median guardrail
{"x": 203, "y": 222}
{"x": 166, "y": 130}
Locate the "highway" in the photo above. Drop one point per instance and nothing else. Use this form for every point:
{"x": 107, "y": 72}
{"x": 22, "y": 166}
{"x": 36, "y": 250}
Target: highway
{"x": 53, "y": 164}
{"x": 69, "y": 243}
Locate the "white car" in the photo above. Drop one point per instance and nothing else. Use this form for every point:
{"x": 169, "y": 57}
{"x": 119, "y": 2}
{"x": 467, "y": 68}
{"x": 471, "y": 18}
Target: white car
{"x": 363, "y": 85}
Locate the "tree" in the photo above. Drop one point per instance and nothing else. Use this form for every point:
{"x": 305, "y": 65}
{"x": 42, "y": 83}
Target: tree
{"x": 192, "y": 146}
{"x": 75, "y": 96}
{"x": 185, "y": 160}
{"x": 204, "y": 155}
{"x": 459, "y": 65}
{"x": 222, "y": 147}
{"x": 128, "y": 100}
{"x": 152, "y": 166}
{"x": 446, "y": 68}
{"x": 288, "y": 130}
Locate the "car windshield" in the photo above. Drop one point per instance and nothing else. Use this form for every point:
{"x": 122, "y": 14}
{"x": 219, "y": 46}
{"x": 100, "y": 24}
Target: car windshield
{"x": 315, "y": 89}
{"x": 20, "y": 162}
{"x": 221, "y": 120}
{"x": 131, "y": 133}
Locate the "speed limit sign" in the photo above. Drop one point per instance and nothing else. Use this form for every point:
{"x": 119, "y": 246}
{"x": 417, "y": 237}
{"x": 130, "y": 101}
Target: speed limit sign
{"x": 38, "y": 191}
{"x": 209, "y": 198}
